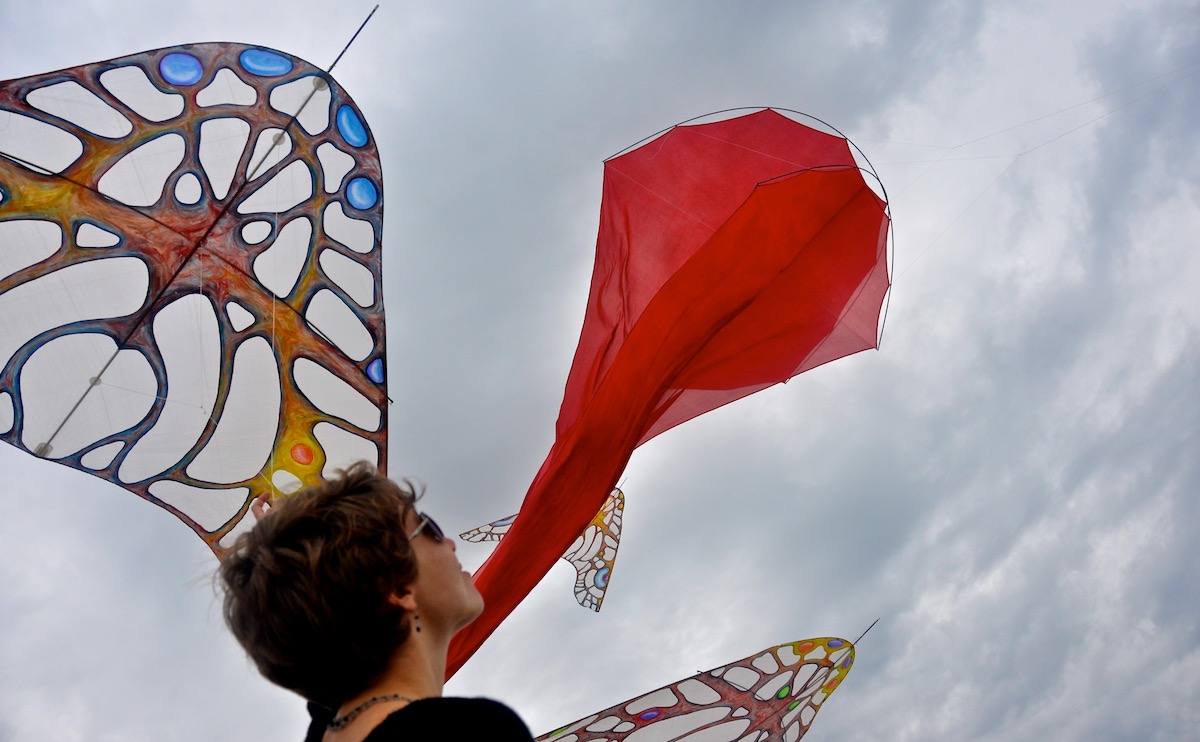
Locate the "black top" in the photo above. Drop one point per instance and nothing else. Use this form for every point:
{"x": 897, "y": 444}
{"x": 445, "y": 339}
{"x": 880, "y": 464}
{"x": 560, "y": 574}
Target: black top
{"x": 438, "y": 719}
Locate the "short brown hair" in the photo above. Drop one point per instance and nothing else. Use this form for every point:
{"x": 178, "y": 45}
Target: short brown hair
{"x": 306, "y": 591}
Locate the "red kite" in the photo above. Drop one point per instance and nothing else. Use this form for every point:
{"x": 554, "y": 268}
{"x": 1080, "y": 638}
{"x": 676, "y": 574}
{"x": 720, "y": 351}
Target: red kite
{"x": 731, "y": 256}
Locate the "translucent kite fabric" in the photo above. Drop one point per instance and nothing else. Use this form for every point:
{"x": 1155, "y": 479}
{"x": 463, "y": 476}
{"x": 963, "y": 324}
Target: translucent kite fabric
{"x": 731, "y": 256}
{"x": 772, "y": 695}
{"x": 593, "y": 555}
{"x": 190, "y": 300}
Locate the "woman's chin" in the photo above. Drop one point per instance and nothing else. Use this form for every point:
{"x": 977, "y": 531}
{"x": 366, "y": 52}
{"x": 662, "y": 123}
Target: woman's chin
{"x": 477, "y": 608}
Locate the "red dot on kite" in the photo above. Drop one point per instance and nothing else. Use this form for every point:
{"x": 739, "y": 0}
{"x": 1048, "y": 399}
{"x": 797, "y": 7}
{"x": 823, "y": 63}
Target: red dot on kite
{"x": 302, "y": 453}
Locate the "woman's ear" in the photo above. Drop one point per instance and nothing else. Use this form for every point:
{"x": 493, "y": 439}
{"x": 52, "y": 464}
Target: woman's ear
{"x": 406, "y": 600}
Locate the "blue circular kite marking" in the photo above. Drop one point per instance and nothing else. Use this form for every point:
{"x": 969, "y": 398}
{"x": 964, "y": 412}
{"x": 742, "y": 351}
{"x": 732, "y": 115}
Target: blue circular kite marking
{"x": 264, "y": 63}
{"x": 351, "y": 126}
{"x": 375, "y": 371}
{"x": 178, "y": 68}
{"x": 835, "y": 643}
{"x": 648, "y": 715}
{"x": 601, "y": 578}
{"x": 362, "y": 193}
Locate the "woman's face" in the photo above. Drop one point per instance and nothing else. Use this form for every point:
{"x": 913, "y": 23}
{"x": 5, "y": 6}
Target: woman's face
{"x": 445, "y": 592}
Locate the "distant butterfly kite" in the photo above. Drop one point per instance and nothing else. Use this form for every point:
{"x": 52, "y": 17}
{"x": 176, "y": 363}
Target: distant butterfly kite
{"x": 592, "y": 555}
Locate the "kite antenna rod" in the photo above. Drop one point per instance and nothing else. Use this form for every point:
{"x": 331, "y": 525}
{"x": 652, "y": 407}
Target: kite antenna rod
{"x": 352, "y": 38}
{"x": 860, "y": 636}
{"x": 278, "y": 140}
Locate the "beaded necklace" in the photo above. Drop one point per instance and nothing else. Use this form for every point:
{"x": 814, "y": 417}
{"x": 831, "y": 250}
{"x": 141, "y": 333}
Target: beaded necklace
{"x": 340, "y": 722}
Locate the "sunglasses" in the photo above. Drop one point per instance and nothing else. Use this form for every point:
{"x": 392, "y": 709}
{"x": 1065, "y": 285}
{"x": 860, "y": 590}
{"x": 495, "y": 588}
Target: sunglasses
{"x": 430, "y": 525}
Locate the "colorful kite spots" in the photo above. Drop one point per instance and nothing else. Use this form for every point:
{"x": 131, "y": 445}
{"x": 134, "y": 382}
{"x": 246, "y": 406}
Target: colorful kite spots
{"x": 362, "y": 194}
{"x": 302, "y": 454}
{"x": 265, "y": 63}
{"x": 351, "y": 127}
{"x": 375, "y": 371}
{"x": 181, "y": 69}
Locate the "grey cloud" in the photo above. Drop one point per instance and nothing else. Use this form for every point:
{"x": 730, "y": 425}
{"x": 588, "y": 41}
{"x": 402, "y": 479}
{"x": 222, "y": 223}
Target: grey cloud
{"x": 1009, "y": 483}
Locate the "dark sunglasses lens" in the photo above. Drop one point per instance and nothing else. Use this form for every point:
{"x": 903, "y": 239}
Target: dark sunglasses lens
{"x": 434, "y": 529}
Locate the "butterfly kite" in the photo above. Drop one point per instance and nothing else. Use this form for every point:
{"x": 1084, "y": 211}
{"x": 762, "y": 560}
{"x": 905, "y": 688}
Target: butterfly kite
{"x": 191, "y": 308}
{"x": 592, "y": 555}
{"x": 190, "y": 277}
{"x": 771, "y": 695}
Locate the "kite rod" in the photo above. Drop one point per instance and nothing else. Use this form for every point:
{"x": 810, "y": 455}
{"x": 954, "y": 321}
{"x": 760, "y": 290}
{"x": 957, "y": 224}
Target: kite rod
{"x": 319, "y": 84}
{"x": 860, "y": 636}
{"x": 352, "y": 38}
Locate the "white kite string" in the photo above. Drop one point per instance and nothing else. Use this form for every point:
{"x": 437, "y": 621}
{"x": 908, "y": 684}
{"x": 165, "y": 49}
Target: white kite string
{"x": 1192, "y": 70}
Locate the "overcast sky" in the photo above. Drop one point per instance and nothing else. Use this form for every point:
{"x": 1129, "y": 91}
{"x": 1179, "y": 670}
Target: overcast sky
{"x": 1011, "y": 483}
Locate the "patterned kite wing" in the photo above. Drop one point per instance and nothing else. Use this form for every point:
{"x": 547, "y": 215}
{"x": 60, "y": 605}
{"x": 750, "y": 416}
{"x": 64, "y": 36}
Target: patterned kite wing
{"x": 592, "y": 555}
{"x": 190, "y": 299}
{"x": 771, "y": 695}
{"x": 595, "y": 552}
{"x": 493, "y": 531}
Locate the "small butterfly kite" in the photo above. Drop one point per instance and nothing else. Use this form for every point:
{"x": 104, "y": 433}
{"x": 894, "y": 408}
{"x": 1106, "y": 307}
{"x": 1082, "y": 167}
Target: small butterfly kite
{"x": 592, "y": 555}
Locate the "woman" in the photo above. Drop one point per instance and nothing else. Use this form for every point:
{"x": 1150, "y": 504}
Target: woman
{"x": 348, "y": 595}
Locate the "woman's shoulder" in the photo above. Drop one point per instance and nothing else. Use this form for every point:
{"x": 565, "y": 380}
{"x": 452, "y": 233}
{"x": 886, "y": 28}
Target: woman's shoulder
{"x": 452, "y": 718}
